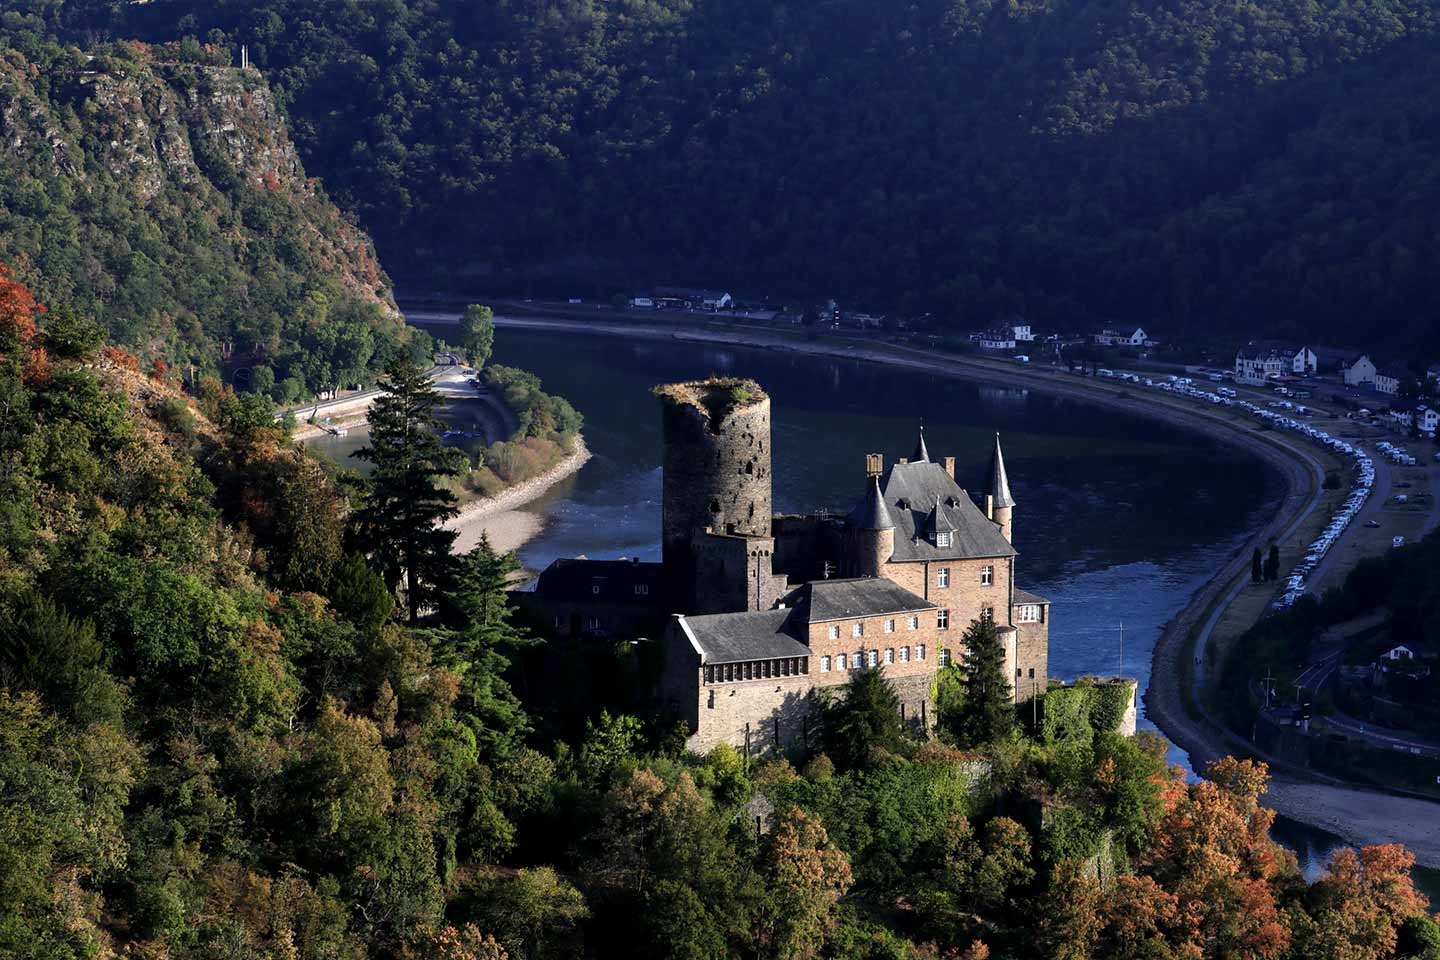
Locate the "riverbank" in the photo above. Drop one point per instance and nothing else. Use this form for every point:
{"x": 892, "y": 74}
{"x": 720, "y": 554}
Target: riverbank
{"x": 499, "y": 517}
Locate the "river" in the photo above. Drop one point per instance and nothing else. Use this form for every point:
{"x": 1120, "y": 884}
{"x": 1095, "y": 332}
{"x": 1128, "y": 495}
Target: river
{"x": 1119, "y": 519}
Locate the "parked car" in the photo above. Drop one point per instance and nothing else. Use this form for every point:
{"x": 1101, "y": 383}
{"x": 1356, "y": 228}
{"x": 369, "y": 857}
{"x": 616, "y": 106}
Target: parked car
{"x": 1397, "y": 542}
{"x": 1372, "y": 524}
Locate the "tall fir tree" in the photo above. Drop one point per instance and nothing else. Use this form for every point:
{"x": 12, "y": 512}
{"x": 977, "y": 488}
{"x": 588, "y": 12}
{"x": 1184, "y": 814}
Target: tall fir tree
{"x": 479, "y": 646}
{"x": 1257, "y": 567}
{"x": 399, "y": 525}
{"x": 988, "y": 713}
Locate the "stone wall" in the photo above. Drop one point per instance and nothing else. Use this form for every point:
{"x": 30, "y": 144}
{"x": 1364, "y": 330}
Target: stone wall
{"x": 1032, "y": 657}
{"x": 716, "y": 461}
{"x": 733, "y": 573}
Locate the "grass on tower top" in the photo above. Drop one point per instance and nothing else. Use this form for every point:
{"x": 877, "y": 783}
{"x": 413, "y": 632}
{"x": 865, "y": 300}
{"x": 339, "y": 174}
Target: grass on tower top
{"x": 714, "y": 396}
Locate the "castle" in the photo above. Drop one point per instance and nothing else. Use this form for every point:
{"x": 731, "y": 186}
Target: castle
{"x": 779, "y": 608}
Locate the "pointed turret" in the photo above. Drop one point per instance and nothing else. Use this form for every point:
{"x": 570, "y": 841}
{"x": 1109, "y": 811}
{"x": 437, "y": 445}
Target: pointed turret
{"x": 999, "y": 504}
{"x": 921, "y": 455}
{"x": 872, "y": 514}
{"x": 999, "y": 482}
{"x": 872, "y": 533}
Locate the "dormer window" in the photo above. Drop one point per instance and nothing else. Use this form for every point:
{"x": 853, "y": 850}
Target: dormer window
{"x": 942, "y": 539}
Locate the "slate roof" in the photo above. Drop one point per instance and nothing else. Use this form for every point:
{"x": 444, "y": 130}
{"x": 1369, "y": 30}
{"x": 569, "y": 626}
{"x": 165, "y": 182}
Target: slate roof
{"x": 576, "y": 578}
{"x": 752, "y": 635}
{"x": 999, "y": 482}
{"x": 823, "y": 600}
{"x": 916, "y": 486}
{"x": 871, "y": 513}
{"x": 1025, "y": 596}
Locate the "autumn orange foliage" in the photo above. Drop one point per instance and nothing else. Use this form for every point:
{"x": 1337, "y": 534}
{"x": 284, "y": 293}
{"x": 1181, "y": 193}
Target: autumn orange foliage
{"x": 37, "y": 368}
{"x": 122, "y": 358}
{"x": 18, "y": 310}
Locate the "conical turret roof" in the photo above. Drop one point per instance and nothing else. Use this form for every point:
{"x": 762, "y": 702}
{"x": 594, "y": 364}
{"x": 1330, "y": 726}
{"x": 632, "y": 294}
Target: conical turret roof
{"x": 921, "y": 455}
{"x": 871, "y": 513}
{"x": 999, "y": 482}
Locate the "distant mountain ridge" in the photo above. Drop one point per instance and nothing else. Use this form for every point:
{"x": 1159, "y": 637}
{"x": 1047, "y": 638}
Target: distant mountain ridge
{"x": 1196, "y": 167}
{"x": 160, "y": 191}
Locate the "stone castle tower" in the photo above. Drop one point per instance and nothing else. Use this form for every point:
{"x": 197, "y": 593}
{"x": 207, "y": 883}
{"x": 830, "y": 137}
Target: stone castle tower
{"x": 715, "y": 494}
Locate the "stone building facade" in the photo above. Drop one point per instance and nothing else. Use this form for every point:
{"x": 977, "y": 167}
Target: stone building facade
{"x": 765, "y": 615}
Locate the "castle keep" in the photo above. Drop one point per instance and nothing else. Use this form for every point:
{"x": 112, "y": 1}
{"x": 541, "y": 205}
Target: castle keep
{"x": 760, "y": 614}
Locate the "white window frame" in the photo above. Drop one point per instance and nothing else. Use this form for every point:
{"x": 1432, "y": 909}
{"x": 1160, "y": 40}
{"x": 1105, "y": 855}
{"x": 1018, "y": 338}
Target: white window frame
{"x": 942, "y": 579}
{"x": 942, "y": 539}
{"x": 642, "y": 589}
{"x": 944, "y": 656}
{"x": 857, "y": 629}
{"x": 1027, "y": 613}
{"x": 905, "y": 654}
{"x": 890, "y": 625}
{"x": 841, "y": 662}
{"x": 913, "y": 623}
{"x": 872, "y": 657}
{"x": 920, "y": 651}
{"x": 824, "y": 664}
{"x": 834, "y": 631}
{"x": 889, "y": 655}
{"x": 942, "y": 619}
{"x": 987, "y": 575}
{"x": 857, "y": 660}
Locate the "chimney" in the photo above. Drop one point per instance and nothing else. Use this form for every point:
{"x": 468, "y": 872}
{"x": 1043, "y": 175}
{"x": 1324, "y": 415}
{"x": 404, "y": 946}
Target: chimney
{"x": 950, "y": 467}
{"x": 874, "y": 464}
{"x": 902, "y": 460}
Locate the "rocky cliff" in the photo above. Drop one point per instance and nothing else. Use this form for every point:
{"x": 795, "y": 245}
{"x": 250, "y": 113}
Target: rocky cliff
{"x": 167, "y": 198}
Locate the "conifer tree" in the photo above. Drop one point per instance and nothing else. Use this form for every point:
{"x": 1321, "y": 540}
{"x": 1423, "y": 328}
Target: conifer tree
{"x": 399, "y": 524}
{"x": 867, "y": 717}
{"x": 479, "y": 648}
{"x": 1257, "y": 569}
{"x": 988, "y": 712}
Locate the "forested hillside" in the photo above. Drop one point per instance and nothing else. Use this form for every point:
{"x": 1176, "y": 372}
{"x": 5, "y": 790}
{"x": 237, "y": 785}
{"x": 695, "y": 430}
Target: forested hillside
{"x": 159, "y": 192}
{"x": 218, "y": 741}
{"x": 1194, "y": 165}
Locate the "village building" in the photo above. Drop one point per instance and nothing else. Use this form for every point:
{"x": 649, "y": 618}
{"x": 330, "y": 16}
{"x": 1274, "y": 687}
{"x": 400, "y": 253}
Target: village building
{"x": 1362, "y": 372}
{"x": 691, "y": 298}
{"x": 1022, "y": 332}
{"x": 1261, "y": 362}
{"x": 1000, "y": 338}
{"x": 761, "y": 616}
{"x": 1124, "y": 337}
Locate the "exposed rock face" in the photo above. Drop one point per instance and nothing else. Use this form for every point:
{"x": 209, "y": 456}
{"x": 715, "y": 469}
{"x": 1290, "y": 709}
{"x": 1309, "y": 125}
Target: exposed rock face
{"x": 166, "y": 136}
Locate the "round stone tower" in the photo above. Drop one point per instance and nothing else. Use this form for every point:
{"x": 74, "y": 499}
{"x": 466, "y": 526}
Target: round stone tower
{"x": 716, "y": 461}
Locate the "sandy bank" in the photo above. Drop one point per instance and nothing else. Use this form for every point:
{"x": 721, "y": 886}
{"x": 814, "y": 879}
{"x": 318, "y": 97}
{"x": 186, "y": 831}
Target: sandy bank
{"x": 499, "y": 518}
{"x": 1361, "y": 816}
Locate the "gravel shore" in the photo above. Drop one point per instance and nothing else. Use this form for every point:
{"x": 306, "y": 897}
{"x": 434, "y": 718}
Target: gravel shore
{"x": 498, "y": 517}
